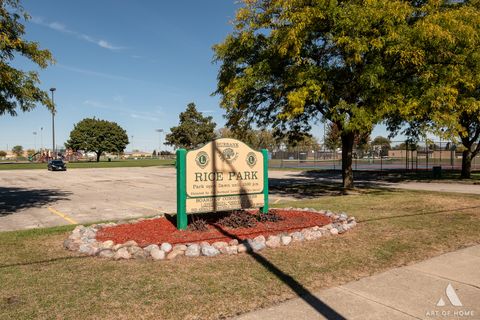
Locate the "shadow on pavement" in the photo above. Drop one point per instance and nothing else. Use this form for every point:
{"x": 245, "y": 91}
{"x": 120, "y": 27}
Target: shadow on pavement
{"x": 15, "y": 199}
{"x": 314, "y": 184}
{"x": 302, "y": 292}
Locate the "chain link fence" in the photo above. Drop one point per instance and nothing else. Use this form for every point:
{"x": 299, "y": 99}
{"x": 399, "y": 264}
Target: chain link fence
{"x": 398, "y": 155}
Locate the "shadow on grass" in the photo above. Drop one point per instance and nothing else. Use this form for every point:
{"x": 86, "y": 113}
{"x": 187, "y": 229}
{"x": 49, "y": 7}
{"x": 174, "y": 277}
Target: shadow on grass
{"x": 21, "y": 264}
{"x": 15, "y": 199}
{"x": 302, "y": 292}
{"x": 308, "y": 185}
{"x": 418, "y": 214}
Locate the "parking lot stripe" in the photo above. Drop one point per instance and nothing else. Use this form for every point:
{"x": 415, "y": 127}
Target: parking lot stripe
{"x": 142, "y": 206}
{"x": 62, "y": 215}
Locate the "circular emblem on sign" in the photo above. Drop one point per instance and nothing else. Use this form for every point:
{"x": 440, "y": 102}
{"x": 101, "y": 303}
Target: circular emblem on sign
{"x": 229, "y": 154}
{"x": 202, "y": 159}
{"x": 251, "y": 159}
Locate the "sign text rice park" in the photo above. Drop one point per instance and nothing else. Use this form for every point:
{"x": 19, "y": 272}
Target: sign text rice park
{"x": 225, "y": 174}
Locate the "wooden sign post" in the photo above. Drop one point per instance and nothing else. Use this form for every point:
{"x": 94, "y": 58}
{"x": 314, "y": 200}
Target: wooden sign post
{"x": 225, "y": 174}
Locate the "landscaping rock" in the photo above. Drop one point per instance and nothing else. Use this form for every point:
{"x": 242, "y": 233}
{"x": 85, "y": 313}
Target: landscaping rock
{"x": 193, "y": 250}
{"x": 133, "y": 249}
{"x": 334, "y": 231}
{"x": 273, "y": 242}
{"x": 233, "y": 242}
{"x": 259, "y": 239}
{"x": 317, "y": 234}
{"x": 157, "y": 254}
{"x": 117, "y": 246}
{"x": 175, "y": 253}
{"x": 140, "y": 255}
{"x": 106, "y": 253}
{"x": 219, "y": 244}
{"x": 107, "y": 244}
{"x": 122, "y": 253}
{"x": 228, "y": 250}
{"x": 89, "y": 233}
{"x": 130, "y": 243}
{"x": 340, "y": 228}
{"x": 87, "y": 249}
{"x": 286, "y": 240}
{"x": 308, "y": 234}
{"x": 167, "y": 247}
{"x": 210, "y": 251}
{"x": 150, "y": 247}
{"x": 241, "y": 248}
{"x": 179, "y": 247}
{"x": 257, "y": 245}
{"x": 297, "y": 236}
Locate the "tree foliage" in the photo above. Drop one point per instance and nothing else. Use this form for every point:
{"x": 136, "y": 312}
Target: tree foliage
{"x": 289, "y": 62}
{"x": 95, "y": 135}
{"x": 2, "y": 154}
{"x": 17, "y": 150}
{"x": 267, "y": 139}
{"x": 19, "y": 89}
{"x": 193, "y": 130}
{"x": 444, "y": 97}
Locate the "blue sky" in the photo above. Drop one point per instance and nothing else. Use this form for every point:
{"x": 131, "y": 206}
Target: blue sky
{"x": 136, "y": 63}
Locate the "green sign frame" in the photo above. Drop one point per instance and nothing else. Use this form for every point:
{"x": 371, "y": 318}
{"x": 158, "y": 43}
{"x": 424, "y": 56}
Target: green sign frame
{"x": 181, "y": 167}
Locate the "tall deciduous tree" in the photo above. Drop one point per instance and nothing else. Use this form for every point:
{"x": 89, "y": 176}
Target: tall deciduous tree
{"x": 193, "y": 130}
{"x": 19, "y": 88}
{"x": 446, "y": 75}
{"x": 289, "y": 62}
{"x": 94, "y": 135}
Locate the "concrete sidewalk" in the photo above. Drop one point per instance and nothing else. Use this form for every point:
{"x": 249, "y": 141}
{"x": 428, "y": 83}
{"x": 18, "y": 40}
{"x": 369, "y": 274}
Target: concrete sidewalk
{"x": 411, "y": 292}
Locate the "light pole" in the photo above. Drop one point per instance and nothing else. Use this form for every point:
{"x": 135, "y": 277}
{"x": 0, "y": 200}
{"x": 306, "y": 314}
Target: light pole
{"x": 53, "y": 124}
{"x": 160, "y": 131}
{"x": 35, "y": 140}
{"x": 41, "y": 139}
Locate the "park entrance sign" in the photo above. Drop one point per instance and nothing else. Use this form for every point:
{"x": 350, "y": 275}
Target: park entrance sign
{"x": 225, "y": 174}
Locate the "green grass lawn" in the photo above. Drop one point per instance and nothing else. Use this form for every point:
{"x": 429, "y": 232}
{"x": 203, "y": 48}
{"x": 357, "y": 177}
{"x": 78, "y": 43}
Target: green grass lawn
{"x": 39, "y": 279}
{"x": 101, "y": 164}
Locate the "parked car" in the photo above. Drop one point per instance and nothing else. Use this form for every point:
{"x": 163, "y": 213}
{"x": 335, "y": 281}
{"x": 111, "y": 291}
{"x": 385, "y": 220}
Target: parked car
{"x": 55, "y": 165}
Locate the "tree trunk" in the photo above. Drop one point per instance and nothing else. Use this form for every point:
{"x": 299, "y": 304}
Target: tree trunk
{"x": 98, "y": 156}
{"x": 348, "y": 139}
{"x": 466, "y": 164}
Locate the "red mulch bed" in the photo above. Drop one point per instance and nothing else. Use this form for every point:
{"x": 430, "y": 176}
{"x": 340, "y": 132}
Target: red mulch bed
{"x": 162, "y": 230}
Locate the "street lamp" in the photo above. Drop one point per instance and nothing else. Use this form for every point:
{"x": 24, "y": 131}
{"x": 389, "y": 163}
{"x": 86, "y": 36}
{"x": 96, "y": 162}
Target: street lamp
{"x": 35, "y": 140}
{"x": 160, "y": 131}
{"x": 53, "y": 124}
{"x": 41, "y": 139}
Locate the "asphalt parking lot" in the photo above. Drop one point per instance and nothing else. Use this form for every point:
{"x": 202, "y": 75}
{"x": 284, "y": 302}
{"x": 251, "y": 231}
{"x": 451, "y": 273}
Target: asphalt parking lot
{"x": 40, "y": 198}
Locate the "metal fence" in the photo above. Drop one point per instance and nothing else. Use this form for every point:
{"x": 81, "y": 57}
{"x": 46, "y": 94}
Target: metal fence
{"x": 399, "y": 155}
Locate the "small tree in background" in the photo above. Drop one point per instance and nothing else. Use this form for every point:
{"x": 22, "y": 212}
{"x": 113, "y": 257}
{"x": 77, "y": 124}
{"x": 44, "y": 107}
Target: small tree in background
{"x": 17, "y": 151}
{"x": 193, "y": 130}
{"x": 94, "y": 135}
{"x": 2, "y": 154}
{"x": 383, "y": 144}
